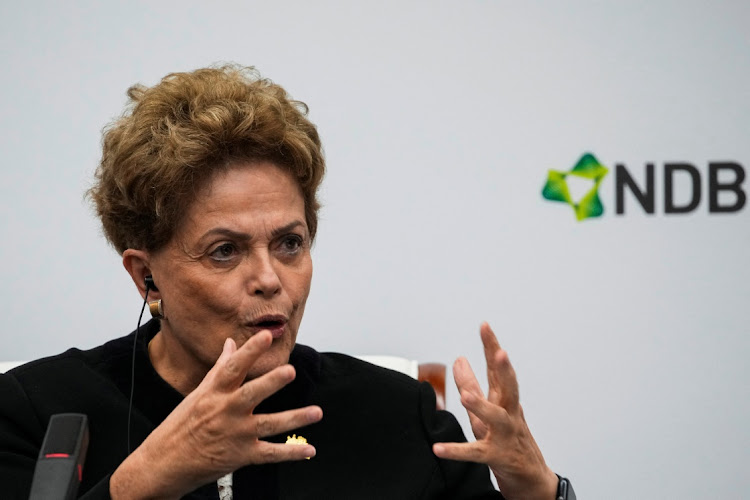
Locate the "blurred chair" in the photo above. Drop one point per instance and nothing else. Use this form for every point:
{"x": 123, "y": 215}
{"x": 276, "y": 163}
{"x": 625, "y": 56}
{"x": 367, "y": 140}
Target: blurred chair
{"x": 433, "y": 373}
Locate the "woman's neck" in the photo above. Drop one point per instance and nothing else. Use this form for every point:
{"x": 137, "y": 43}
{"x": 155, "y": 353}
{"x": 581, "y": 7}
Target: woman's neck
{"x": 182, "y": 374}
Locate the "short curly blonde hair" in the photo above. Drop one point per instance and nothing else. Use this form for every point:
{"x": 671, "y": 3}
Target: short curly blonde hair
{"x": 175, "y": 135}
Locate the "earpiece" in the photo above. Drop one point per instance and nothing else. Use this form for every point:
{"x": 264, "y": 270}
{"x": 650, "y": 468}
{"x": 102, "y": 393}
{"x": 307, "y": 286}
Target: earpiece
{"x": 150, "y": 285}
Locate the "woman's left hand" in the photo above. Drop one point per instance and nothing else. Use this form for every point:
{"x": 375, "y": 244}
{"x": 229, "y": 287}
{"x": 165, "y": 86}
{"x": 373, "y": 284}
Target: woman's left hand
{"x": 503, "y": 440}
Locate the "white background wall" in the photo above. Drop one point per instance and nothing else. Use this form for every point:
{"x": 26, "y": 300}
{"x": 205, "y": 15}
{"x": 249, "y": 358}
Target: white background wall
{"x": 440, "y": 120}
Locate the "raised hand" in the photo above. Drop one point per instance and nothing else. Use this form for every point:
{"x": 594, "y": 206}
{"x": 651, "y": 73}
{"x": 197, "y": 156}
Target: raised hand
{"x": 214, "y": 431}
{"x": 503, "y": 440}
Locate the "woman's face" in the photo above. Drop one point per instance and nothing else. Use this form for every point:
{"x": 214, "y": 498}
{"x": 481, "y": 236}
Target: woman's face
{"x": 239, "y": 263}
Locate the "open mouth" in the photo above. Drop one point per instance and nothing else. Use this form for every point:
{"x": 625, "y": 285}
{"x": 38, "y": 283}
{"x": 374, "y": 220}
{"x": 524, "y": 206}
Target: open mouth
{"x": 274, "y": 323}
{"x": 269, "y": 323}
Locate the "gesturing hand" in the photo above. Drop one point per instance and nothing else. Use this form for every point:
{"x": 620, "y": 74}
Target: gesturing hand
{"x": 503, "y": 440}
{"x": 214, "y": 430}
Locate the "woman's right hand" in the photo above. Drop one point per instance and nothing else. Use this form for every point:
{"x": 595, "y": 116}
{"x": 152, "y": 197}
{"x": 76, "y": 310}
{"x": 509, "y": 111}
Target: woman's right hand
{"x": 214, "y": 431}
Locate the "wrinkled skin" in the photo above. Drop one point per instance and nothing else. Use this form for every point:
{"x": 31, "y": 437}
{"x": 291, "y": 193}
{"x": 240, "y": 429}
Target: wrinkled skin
{"x": 233, "y": 282}
{"x": 503, "y": 440}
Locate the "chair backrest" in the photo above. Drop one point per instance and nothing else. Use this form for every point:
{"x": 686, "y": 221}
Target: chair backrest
{"x": 8, "y": 365}
{"x": 402, "y": 365}
{"x": 433, "y": 373}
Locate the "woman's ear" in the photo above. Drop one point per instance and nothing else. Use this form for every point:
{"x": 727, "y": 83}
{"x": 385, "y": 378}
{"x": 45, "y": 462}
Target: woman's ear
{"x": 136, "y": 263}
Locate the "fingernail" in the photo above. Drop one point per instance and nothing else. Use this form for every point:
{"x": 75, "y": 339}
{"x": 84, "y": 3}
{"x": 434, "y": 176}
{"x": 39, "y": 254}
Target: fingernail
{"x": 437, "y": 449}
{"x": 225, "y": 349}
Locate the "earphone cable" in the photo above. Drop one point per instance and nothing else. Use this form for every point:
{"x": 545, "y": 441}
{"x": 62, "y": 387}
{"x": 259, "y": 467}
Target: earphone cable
{"x": 132, "y": 366}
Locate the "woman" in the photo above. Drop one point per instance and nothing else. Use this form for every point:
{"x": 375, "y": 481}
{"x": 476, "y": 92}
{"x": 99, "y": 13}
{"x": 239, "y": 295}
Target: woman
{"x": 207, "y": 188}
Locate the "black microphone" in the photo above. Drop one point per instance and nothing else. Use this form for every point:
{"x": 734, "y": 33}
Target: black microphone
{"x": 59, "y": 469}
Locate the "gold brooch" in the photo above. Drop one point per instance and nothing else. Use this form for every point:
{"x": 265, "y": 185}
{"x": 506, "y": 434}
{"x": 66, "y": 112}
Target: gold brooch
{"x": 295, "y": 439}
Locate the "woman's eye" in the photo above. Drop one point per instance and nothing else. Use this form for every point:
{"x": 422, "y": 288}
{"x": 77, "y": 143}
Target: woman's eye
{"x": 223, "y": 252}
{"x": 291, "y": 244}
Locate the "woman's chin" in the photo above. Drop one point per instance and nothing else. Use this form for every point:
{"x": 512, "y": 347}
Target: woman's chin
{"x": 276, "y": 356}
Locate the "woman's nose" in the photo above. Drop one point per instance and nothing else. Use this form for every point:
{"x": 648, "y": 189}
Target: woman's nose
{"x": 263, "y": 278}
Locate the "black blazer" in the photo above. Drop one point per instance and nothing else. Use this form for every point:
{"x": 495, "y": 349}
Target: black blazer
{"x": 374, "y": 440}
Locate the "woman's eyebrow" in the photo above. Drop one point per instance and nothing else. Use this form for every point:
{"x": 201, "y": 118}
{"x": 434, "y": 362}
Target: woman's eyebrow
{"x": 286, "y": 229}
{"x": 237, "y": 235}
{"x": 223, "y": 231}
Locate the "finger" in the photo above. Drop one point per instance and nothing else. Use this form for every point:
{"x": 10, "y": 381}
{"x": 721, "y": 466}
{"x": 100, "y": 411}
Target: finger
{"x": 271, "y": 424}
{"x": 465, "y": 452}
{"x": 253, "y": 392}
{"x": 508, "y": 389}
{"x": 275, "y": 452}
{"x": 466, "y": 382}
{"x": 503, "y": 386}
{"x": 464, "y": 377}
{"x": 478, "y": 427}
{"x": 227, "y": 350}
{"x": 491, "y": 348}
{"x": 489, "y": 414}
{"x": 234, "y": 368}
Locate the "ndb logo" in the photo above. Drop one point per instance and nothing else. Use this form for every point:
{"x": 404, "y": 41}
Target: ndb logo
{"x": 724, "y": 187}
{"x": 556, "y": 188}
